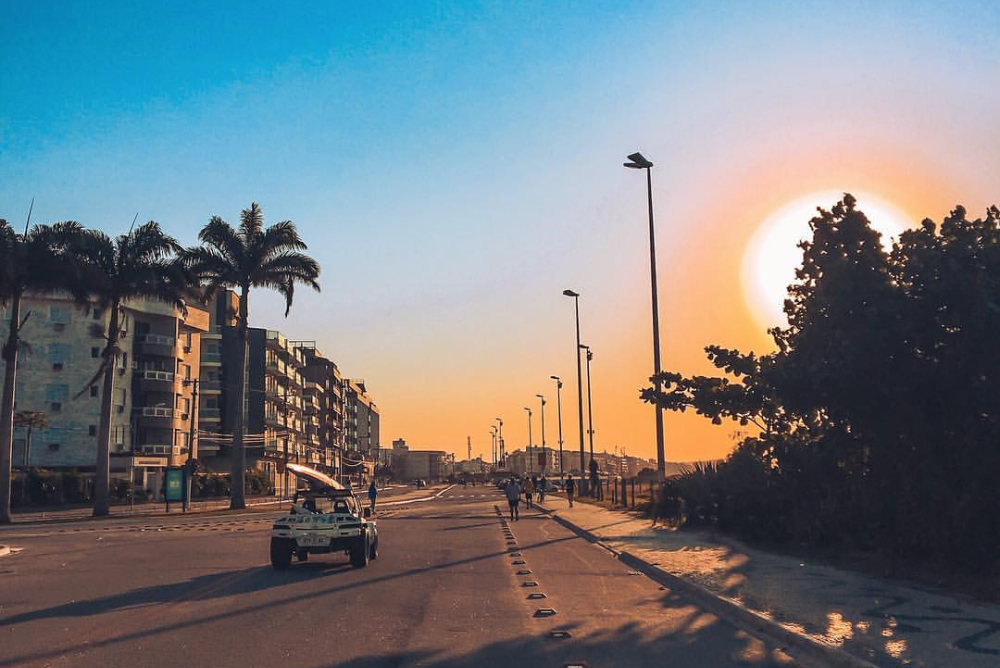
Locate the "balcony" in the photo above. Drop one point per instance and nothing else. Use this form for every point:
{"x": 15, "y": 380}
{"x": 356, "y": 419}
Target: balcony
{"x": 209, "y": 414}
{"x": 155, "y": 344}
{"x": 151, "y": 380}
{"x": 155, "y": 416}
{"x": 163, "y": 450}
{"x": 210, "y": 386}
{"x": 211, "y": 358}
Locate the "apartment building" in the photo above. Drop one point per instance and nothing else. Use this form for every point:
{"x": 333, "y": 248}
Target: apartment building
{"x": 362, "y": 418}
{"x": 324, "y": 407}
{"x": 153, "y": 385}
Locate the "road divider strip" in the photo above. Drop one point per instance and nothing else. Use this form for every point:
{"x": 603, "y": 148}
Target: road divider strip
{"x": 421, "y": 499}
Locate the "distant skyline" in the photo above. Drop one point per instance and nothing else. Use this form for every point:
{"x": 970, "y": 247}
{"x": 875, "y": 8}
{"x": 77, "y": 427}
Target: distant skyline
{"x": 455, "y": 166}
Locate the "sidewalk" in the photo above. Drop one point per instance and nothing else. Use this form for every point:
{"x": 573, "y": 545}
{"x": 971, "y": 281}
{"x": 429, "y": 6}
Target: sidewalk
{"x": 880, "y": 621}
{"x": 140, "y": 510}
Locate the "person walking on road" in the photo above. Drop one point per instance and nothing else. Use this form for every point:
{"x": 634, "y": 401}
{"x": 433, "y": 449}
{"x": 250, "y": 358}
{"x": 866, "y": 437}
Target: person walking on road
{"x": 372, "y": 494}
{"x": 570, "y": 490}
{"x": 541, "y": 489}
{"x": 529, "y": 489}
{"x": 513, "y": 493}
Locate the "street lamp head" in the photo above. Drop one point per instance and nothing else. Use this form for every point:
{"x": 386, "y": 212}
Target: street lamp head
{"x": 570, "y": 293}
{"x": 555, "y": 377}
{"x": 637, "y": 161}
{"x": 527, "y": 409}
{"x": 584, "y": 346}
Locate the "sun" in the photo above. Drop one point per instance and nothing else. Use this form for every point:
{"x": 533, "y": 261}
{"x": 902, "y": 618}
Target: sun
{"x": 772, "y": 255}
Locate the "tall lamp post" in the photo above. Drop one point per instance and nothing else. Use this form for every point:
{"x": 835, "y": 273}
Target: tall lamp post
{"x": 541, "y": 468}
{"x": 637, "y": 161}
{"x": 579, "y": 377}
{"x": 192, "y": 430}
{"x": 500, "y": 442}
{"x": 590, "y": 405}
{"x": 559, "y": 414}
{"x": 529, "y": 438}
{"x": 493, "y": 433}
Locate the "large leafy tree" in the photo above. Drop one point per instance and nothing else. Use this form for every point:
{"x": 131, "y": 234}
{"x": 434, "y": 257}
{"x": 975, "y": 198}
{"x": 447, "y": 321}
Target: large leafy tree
{"x": 40, "y": 258}
{"x": 242, "y": 258}
{"x": 142, "y": 264}
{"x": 878, "y": 415}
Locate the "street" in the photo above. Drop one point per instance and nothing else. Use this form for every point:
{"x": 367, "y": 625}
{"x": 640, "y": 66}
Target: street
{"x": 445, "y": 591}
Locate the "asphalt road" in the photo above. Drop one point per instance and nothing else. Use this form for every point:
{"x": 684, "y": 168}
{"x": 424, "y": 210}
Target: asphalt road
{"x": 445, "y": 591}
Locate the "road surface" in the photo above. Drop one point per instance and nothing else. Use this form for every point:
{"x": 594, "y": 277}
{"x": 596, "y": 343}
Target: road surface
{"x": 446, "y": 591}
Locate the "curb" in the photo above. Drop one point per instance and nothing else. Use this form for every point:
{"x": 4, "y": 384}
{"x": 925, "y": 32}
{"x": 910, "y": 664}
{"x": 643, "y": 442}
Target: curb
{"x": 725, "y": 608}
{"x": 136, "y": 516}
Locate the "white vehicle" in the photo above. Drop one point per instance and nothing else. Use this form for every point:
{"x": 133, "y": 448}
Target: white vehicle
{"x": 324, "y": 519}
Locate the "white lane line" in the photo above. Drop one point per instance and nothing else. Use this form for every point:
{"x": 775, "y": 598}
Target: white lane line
{"x": 425, "y": 498}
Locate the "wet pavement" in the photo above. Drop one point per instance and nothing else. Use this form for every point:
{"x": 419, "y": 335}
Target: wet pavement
{"x": 887, "y": 623}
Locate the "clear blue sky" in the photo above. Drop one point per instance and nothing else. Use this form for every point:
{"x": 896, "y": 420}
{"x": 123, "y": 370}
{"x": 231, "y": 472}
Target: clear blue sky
{"x": 454, "y": 166}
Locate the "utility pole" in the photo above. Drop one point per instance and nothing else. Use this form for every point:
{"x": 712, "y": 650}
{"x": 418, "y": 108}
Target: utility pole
{"x": 529, "y": 438}
{"x": 192, "y": 430}
{"x": 544, "y": 459}
{"x": 559, "y": 414}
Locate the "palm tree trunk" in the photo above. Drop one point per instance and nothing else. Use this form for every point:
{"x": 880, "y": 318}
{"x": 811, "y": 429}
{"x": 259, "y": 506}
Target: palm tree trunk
{"x": 239, "y": 457}
{"x": 102, "y": 470}
{"x": 7, "y": 407}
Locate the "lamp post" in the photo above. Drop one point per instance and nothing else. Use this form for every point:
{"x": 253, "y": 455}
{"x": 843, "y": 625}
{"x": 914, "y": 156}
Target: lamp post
{"x": 590, "y": 405}
{"x": 189, "y": 464}
{"x": 500, "y": 442}
{"x": 544, "y": 459}
{"x": 579, "y": 377}
{"x": 529, "y": 438}
{"x": 637, "y": 161}
{"x": 559, "y": 415}
{"x": 493, "y": 434}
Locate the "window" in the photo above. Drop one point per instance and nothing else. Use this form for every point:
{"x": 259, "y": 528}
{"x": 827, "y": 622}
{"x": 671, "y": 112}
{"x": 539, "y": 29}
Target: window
{"x": 93, "y": 390}
{"x": 92, "y": 430}
{"x": 95, "y": 352}
{"x": 53, "y": 437}
{"x": 97, "y": 314}
{"x": 58, "y": 355}
{"x": 56, "y": 396}
{"x": 118, "y": 435}
{"x": 141, "y": 327}
{"x": 187, "y": 372}
{"x": 59, "y": 314}
{"x": 185, "y": 405}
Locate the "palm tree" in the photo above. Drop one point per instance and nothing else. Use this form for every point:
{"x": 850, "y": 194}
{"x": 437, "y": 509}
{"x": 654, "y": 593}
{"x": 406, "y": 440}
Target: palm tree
{"x": 41, "y": 258}
{"x": 139, "y": 265}
{"x": 244, "y": 258}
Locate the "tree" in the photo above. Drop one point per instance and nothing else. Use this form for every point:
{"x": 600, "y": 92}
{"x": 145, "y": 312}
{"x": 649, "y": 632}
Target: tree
{"x": 141, "y": 264}
{"x": 243, "y": 258}
{"x": 878, "y": 414}
{"x": 41, "y": 258}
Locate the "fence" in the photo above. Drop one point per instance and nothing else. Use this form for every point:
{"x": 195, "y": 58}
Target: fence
{"x": 628, "y": 492}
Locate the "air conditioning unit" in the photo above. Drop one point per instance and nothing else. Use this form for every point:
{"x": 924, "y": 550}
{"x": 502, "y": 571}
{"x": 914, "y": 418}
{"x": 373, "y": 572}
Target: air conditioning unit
{"x": 121, "y": 409}
{"x": 187, "y": 349}
{"x": 184, "y": 416}
{"x": 121, "y": 371}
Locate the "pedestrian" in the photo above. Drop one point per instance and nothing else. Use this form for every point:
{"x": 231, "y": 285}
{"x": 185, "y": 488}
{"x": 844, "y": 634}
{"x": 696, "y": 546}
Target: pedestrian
{"x": 372, "y": 495}
{"x": 541, "y": 489}
{"x": 513, "y": 493}
{"x": 570, "y": 490}
{"x": 529, "y": 489}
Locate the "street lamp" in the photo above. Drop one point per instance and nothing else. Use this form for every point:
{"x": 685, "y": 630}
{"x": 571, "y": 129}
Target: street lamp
{"x": 559, "y": 414}
{"x": 579, "y": 375}
{"x": 544, "y": 458}
{"x": 529, "y": 438}
{"x": 493, "y": 434}
{"x": 637, "y": 161}
{"x": 189, "y": 464}
{"x": 590, "y": 405}
{"x": 500, "y": 442}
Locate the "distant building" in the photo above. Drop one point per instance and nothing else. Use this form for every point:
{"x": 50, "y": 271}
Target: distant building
{"x": 543, "y": 461}
{"x": 362, "y": 417}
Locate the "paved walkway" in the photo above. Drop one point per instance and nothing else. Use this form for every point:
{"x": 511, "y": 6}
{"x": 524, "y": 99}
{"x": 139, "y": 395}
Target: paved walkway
{"x": 881, "y": 621}
{"x": 58, "y": 514}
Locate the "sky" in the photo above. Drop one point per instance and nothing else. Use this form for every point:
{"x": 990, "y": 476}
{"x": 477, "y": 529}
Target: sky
{"x": 455, "y": 166}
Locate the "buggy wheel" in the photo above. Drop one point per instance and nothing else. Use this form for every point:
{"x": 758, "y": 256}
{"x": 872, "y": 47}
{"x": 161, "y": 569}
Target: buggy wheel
{"x": 281, "y": 553}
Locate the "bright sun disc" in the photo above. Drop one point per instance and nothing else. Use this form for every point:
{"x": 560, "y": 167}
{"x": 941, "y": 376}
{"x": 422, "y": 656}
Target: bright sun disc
{"x": 772, "y": 255}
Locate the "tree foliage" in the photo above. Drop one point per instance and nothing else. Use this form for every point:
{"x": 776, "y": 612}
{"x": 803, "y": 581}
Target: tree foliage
{"x": 878, "y": 415}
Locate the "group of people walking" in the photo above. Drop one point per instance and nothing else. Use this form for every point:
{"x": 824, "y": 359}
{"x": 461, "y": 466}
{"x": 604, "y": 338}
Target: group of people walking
{"x": 529, "y": 487}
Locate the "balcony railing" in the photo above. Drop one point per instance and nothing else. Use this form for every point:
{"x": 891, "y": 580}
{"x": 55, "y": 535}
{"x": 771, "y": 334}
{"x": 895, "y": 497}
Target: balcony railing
{"x": 152, "y": 374}
{"x": 210, "y": 385}
{"x": 158, "y": 339}
{"x": 209, "y": 413}
{"x": 155, "y": 411}
{"x": 210, "y": 356}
